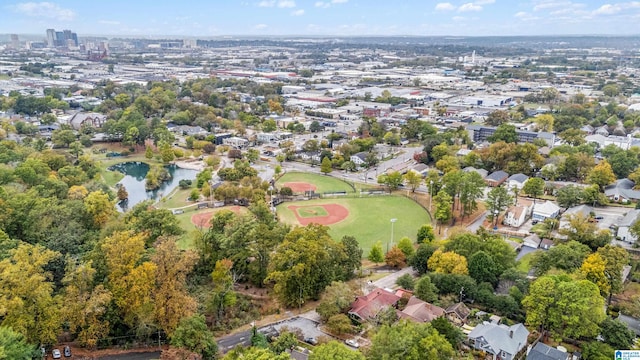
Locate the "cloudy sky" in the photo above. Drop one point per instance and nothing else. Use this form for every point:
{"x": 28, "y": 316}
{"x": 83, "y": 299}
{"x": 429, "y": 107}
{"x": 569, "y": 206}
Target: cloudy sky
{"x": 324, "y": 17}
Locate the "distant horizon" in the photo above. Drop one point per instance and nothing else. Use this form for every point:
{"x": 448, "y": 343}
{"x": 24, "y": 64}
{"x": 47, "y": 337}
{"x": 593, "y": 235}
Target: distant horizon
{"x": 323, "y": 18}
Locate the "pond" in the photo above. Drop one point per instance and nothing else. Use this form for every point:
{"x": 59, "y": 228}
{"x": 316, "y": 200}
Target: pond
{"x": 134, "y": 181}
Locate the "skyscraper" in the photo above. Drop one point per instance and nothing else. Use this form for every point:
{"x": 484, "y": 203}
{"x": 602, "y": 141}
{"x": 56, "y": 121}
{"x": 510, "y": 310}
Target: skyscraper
{"x": 51, "y": 37}
{"x": 63, "y": 38}
{"x": 15, "y": 41}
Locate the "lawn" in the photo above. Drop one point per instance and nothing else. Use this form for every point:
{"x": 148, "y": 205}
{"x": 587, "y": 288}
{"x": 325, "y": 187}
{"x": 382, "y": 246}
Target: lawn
{"x": 369, "y": 218}
{"x": 177, "y": 198}
{"x": 524, "y": 264}
{"x": 323, "y": 183}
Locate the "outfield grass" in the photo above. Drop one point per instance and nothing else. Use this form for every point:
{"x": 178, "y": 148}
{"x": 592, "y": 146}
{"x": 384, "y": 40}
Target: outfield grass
{"x": 323, "y": 183}
{"x": 369, "y": 218}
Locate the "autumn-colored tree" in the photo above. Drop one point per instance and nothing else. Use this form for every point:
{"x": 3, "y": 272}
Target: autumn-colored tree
{"x": 122, "y": 193}
{"x": 592, "y": 269}
{"x": 413, "y": 179}
{"x": 544, "y": 122}
{"x": 85, "y": 306}
{"x": 601, "y": 175}
{"x": 172, "y": 300}
{"x": 395, "y": 257}
{"x": 99, "y": 207}
{"x": 222, "y": 294}
{"x": 448, "y": 263}
{"x": 27, "y": 303}
{"x": 77, "y": 192}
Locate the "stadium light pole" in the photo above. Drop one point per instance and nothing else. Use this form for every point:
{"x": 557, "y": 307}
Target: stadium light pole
{"x": 393, "y": 221}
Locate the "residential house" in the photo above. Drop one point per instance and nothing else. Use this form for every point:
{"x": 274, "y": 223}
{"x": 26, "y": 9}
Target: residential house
{"x": 587, "y": 129}
{"x": 625, "y": 224}
{"x": 94, "y": 120}
{"x": 482, "y": 172}
{"x": 532, "y": 241}
{"x": 367, "y": 307}
{"x": 516, "y": 181}
{"x": 299, "y": 353}
{"x": 516, "y": 216}
{"x": 496, "y": 178}
{"x": 359, "y": 158}
{"x": 622, "y": 190}
{"x": 420, "y": 311}
{"x": 546, "y": 210}
{"x": 501, "y": 341}
{"x": 546, "y": 244}
{"x": 421, "y": 169}
{"x": 310, "y": 156}
{"x": 458, "y": 313}
{"x": 602, "y": 130}
{"x": 581, "y": 210}
{"x": 236, "y": 142}
{"x": 543, "y": 351}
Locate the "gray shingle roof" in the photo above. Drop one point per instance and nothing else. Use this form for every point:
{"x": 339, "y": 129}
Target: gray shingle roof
{"x": 498, "y": 339}
{"x": 545, "y": 352}
{"x": 497, "y": 176}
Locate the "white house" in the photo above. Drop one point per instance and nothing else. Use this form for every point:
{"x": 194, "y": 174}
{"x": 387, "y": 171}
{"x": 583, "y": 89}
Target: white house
{"x": 623, "y": 226}
{"x": 358, "y": 158}
{"x": 516, "y": 216}
{"x": 236, "y": 142}
{"x": 547, "y": 210}
{"x": 517, "y": 181}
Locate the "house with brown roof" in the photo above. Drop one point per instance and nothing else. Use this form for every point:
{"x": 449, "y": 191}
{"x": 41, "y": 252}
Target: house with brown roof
{"x": 94, "y": 120}
{"x": 420, "y": 311}
{"x": 367, "y": 307}
{"x": 458, "y": 313}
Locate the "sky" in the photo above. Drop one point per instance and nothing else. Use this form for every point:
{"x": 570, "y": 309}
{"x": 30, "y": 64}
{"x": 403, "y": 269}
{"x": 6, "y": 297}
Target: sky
{"x": 183, "y": 18}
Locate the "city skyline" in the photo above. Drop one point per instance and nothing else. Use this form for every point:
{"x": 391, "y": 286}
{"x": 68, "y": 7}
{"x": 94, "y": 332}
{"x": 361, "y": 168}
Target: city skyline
{"x": 323, "y": 18}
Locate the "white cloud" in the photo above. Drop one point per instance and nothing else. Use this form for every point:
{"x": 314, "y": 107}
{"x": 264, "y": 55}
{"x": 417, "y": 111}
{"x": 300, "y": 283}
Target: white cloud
{"x": 550, "y": 4}
{"x": 260, "y": 26}
{"x": 445, "y": 6}
{"x": 44, "y": 10}
{"x": 322, "y": 4}
{"x": 484, "y": 2}
{"x": 458, "y": 18}
{"x": 339, "y": 1}
{"x": 469, "y": 7}
{"x": 521, "y": 14}
{"x": 286, "y": 4}
{"x": 298, "y": 12}
{"x": 109, "y": 22}
{"x": 612, "y": 9}
{"x": 267, "y": 3}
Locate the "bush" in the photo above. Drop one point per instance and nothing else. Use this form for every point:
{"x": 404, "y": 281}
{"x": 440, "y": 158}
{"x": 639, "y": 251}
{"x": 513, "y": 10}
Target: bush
{"x": 185, "y": 184}
{"x": 406, "y": 282}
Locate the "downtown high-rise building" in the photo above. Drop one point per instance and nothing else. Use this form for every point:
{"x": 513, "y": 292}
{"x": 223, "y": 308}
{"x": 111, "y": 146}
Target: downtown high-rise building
{"x": 65, "y": 38}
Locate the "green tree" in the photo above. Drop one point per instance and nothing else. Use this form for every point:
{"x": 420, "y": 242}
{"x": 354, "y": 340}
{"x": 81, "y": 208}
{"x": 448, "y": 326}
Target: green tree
{"x": 425, "y": 234}
{"x": 615, "y": 259}
{"x": 406, "y": 245}
{"x": 336, "y": 299}
{"x": 482, "y": 268}
{"x": 339, "y": 324}
{"x": 601, "y": 175}
{"x": 334, "y": 350}
{"x": 285, "y": 341}
{"x": 443, "y": 203}
{"x": 325, "y": 166}
{"x": 497, "y": 118}
{"x": 192, "y": 334}
{"x": 425, "y": 290}
{"x": 409, "y": 341}
{"x": 504, "y": 132}
{"x": 413, "y": 179}
{"x": 471, "y": 189}
{"x": 452, "y": 333}
{"x": 14, "y": 346}
{"x": 376, "y": 255}
{"x": 597, "y": 350}
{"x": 582, "y": 229}
{"x": 62, "y": 137}
{"x": 406, "y": 281}
{"x": 617, "y": 334}
{"x": 534, "y": 187}
{"x": 75, "y": 148}
{"x": 498, "y": 199}
{"x": 569, "y": 196}
{"x": 166, "y": 152}
{"x": 419, "y": 260}
{"x": 391, "y": 180}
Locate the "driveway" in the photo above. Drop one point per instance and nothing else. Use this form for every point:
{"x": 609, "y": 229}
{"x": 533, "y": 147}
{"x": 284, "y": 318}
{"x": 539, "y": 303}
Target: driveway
{"x": 389, "y": 281}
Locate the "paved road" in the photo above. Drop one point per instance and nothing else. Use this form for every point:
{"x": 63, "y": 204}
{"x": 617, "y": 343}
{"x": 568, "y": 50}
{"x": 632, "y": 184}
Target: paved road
{"x": 476, "y": 224}
{"x": 227, "y": 343}
{"x": 389, "y": 281}
{"x": 133, "y": 356}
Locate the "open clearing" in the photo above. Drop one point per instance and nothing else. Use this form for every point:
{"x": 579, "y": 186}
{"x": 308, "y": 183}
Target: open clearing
{"x": 368, "y": 218}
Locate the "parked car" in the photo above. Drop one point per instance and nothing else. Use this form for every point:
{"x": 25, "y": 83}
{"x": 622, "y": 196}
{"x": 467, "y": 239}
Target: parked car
{"x": 534, "y": 222}
{"x": 56, "y": 354}
{"x": 352, "y": 343}
{"x": 599, "y": 217}
{"x": 311, "y": 340}
{"x": 67, "y": 351}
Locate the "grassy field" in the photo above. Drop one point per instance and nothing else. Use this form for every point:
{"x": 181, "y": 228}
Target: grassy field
{"x": 312, "y": 211}
{"x": 323, "y": 183}
{"x": 177, "y": 198}
{"x": 524, "y": 264}
{"x": 369, "y": 218}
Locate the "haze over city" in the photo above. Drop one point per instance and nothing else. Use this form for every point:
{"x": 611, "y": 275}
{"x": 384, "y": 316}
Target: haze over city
{"x": 323, "y": 17}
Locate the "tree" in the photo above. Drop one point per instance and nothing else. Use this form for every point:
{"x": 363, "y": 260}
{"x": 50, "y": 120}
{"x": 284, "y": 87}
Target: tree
{"x": 471, "y": 189}
{"x": 569, "y": 196}
{"x": 269, "y": 125}
{"x": 419, "y": 260}
{"x": 425, "y": 234}
{"x": 336, "y": 299}
{"x": 391, "y": 180}
{"x": 222, "y": 294}
{"x": 375, "y": 254}
{"x": 395, "y": 257}
{"x": 544, "y": 122}
{"x": 564, "y": 307}
{"x": 592, "y": 269}
{"x": 153, "y": 222}
{"x": 617, "y": 334}
{"x": 305, "y": 263}
{"x": 122, "y": 193}
{"x": 467, "y": 244}
{"x": 171, "y": 299}
{"x": 406, "y": 245}
{"x": 192, "y": 334}
{"x": 443, "y": 202}
{"x": 325, "y": 166}
{"x": 100, "y": 207}
{"x": 406, "y": 281}
{"x": 601, "y": 175}
{"x": 533, "y": 187}
{"x": 597, "y": 350}
{"x": 582, "y": 229}
{"x": 497, "y": 118}
{"x": 482, "y": 268}
{"x": 339, "y": 324}
{"x": 409, "y": 341}
{"x": 498, "y": 199}
{"x": 62, "y": 137}
{"x": 13, "y": 345}
{"x": 413, "y": 179}
{"x": 315, "y": 126}
{"x": 567, "y": 256}
{"x": 448, "y": 164}
{"x": 166, "y": 152}
{"x": 504, "y": 132}
{"x": 75, "y": 148}
{"x": 425, "y": 290}
{"x": 452, "y": 333}
{"x": 354, "y": 255}
{"x": 615, "y": 259}
{"x": 334, "y": 350}
{"x": 448, "y": 263}
{"x": 29, "y": 306}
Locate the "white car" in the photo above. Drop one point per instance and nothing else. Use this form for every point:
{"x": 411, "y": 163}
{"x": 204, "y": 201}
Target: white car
{"x": 352, "y": 343}
{"x": 56, "y": 354}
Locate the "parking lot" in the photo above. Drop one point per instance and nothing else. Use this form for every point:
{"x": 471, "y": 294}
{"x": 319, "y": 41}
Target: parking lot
{"x": 611, "y": 215}
{"x": 309, "y": 328}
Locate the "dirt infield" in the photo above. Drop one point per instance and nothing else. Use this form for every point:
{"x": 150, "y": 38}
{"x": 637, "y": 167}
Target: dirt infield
{"x": 202, "y": 219}
{"x": 300, "y": 187}
{"x": 336, "y": 213}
